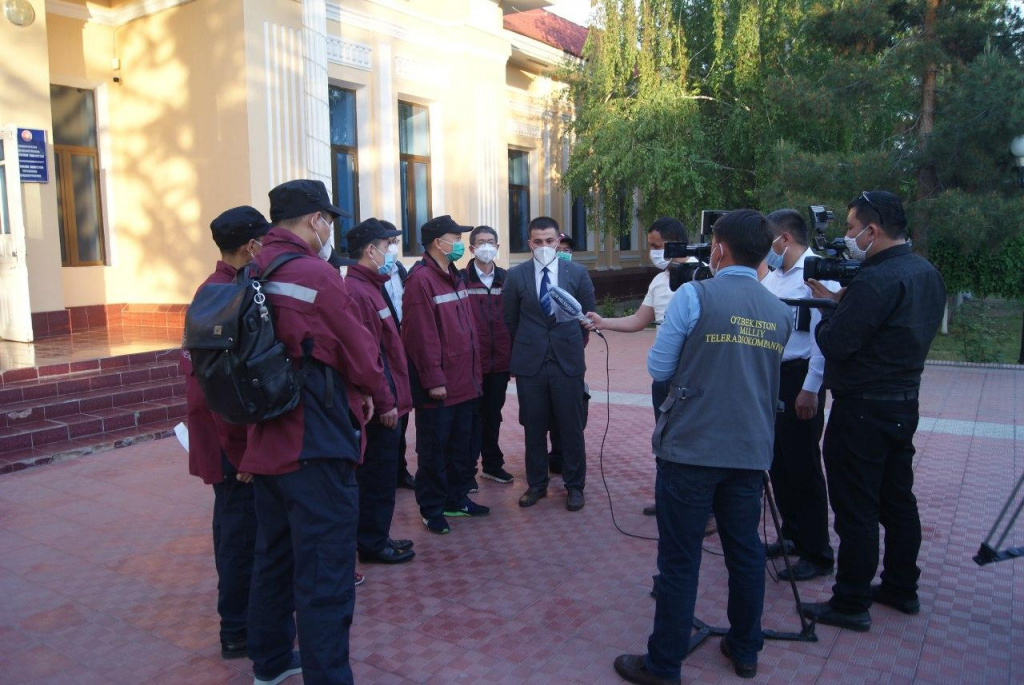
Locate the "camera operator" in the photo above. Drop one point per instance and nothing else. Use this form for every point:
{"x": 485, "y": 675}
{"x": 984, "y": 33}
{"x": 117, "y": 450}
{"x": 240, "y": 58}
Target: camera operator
{"x": 721, "y": 345}
{"x": 875, "y": 343}
{"x": 796, "y": 468}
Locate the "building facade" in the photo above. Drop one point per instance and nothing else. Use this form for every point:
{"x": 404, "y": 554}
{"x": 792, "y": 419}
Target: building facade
{"x": 159, "y": 114}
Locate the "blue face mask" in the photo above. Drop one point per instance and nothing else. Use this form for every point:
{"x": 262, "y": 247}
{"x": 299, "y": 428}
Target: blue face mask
{"x": 773, "y": 259}
{"x": 565, "y": 256}
{"x": 389, "y": 263}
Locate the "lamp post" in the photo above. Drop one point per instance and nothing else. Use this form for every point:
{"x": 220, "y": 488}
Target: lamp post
{"x": 1017, "y": 150}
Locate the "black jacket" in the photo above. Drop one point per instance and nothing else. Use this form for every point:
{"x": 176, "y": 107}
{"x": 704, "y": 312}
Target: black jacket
{"x": 877, "y": 339}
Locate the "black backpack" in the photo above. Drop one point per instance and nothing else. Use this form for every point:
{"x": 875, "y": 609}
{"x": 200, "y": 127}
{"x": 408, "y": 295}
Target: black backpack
{"x": 243, "y": 369}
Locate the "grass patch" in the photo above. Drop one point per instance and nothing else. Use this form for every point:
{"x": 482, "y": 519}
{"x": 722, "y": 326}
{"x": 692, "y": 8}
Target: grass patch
{"x": 985, "y": 330}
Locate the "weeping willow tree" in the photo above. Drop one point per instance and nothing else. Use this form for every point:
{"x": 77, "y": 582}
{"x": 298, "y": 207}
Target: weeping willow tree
{"x": 636, "y": 132}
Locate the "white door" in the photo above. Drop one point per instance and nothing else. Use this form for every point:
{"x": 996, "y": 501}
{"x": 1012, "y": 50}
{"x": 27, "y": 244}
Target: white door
{"x": 15, "y": 314}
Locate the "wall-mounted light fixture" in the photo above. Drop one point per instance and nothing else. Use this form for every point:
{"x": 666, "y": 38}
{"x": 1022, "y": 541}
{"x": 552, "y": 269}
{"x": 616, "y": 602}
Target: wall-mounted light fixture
{"x": 19, "y": 12}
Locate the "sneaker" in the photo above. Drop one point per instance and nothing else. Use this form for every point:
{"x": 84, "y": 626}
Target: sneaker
{"x": 498, "y": 476}
{"x": 358, "y": 578}
{"x": 775, "y": 549}
{"x": 470, "y": 508}
{"x": 234, "y": 649}
{"x": 474, "y": 487}
{"x": 293, "y": 668}
{"x": 437, "y": 524}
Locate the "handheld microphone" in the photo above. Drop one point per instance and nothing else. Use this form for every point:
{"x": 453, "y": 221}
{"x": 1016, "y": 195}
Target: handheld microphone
{"x": 570, "y": 305}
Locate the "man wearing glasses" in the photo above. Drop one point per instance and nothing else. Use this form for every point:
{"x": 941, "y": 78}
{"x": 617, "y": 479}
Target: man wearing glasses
{"x": 875, "y": 343}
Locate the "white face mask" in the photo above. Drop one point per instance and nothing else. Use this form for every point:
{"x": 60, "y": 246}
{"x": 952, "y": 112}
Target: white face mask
{"x": 393, "y": 251}
{"x": 856, "y": 253}
{"x": 773, "y": 259}
{"x": 711, "y": 259}
{"x": 485, "y": 253}
{"x": 545, "y": 255}
{"x": 325, "y": 247}
{"x": 658, "y": 259}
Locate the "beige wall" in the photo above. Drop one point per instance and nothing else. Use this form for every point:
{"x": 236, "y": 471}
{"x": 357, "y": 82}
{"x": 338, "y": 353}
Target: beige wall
{"x": 25, "y": 102}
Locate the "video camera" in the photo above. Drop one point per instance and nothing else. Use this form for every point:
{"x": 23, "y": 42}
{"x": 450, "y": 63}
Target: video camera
{"x": 684, "y": 272}
{"x": 835, "y": 266}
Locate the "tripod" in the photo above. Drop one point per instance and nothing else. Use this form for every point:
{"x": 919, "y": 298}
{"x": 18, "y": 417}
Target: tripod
{"x": 806, "y": 634}
{"x": 989, "y": 553}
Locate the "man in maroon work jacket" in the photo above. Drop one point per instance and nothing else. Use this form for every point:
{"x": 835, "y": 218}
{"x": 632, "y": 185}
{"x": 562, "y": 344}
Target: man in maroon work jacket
{"x": 484, "y": 281}
{"x": 304, "y": 461}
{"x": 440, "y": 339}
{"x": 378, "y": 475}
{"x": 215, "y": 449}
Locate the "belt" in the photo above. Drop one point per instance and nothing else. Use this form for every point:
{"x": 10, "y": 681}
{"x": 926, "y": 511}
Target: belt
{"x": 882, "y": 396}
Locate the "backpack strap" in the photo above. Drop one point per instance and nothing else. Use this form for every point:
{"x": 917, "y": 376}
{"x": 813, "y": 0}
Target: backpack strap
{"x": 279, "y": 260}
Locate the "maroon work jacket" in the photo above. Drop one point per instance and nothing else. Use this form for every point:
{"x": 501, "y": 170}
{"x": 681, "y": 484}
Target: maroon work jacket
{"x": 440, "y": 335}
{"x": 314, "y": 316}
{"x": 489, "y": 314}
{"x": 364, "y": 285}
{"x": 209, "y": 434}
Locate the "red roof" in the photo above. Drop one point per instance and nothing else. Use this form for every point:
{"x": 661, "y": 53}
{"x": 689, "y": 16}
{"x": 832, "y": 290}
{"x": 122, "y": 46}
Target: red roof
{"x": 549, "y": 29}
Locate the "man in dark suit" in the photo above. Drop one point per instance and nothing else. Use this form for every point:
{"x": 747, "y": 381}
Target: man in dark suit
{"x": 547, "y": 361}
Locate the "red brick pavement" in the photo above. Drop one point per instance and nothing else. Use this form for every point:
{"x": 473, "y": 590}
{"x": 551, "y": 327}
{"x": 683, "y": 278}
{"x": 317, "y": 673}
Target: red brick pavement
{"x": 106, "y": 568}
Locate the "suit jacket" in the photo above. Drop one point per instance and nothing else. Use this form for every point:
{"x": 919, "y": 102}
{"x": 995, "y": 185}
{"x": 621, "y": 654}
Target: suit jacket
{"x": 532, "y": 331}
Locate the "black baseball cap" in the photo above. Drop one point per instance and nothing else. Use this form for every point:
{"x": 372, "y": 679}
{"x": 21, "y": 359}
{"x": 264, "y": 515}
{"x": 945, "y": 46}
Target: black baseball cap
{"x": 439, "y": 226}
{"x": 301, "y": 197}
{"x": 563, "y": 238}
{"x": 237, "y": 226}
{"x": 365, "y": 232}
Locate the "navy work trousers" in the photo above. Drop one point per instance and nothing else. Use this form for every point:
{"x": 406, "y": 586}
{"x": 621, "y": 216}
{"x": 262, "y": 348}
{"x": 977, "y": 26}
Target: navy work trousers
{"x": 444, "y": 454}
{"x": 234, "y": 538}
{"x": 684, "y": 498}
{"x": 377, "y": 477}
{"x": 869, "y": 464}
{"x": 487, "y": 422}
{"x": 305, "y": 561}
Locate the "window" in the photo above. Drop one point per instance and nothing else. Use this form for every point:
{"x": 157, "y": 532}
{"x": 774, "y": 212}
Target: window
{"x": 518, "y": 200}
{"x": 77, "y": 163}
{"x": 579, "y": 224}
{"x": 344, "y": 160}
{"x": 5, "y": 217}
{"x": 625, "y": 224}
{"x": 414, "y": 158}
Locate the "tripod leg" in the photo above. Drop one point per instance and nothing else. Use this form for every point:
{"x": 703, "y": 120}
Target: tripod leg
{"x": 770, "y": 496}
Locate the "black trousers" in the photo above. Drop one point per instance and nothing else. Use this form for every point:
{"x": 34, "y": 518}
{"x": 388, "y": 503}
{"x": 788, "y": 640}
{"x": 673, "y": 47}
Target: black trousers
{"x": 869, "y": 453}
{"x": 234, "y": 538}
{"x": 403, "y": 465}
{"x": 550, "y": 398}
{"x": 444, "y": 457}
{"x": 487, "y": 422}
{"x": 797, "y": 479}
{"x": 377, "y": 477}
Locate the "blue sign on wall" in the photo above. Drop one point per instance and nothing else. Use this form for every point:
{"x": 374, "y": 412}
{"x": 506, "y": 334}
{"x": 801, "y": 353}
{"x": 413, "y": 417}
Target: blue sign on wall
{"x": 32, "y": 156}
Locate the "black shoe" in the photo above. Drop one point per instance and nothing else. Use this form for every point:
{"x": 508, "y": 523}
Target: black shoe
{"x": 822, "y": 612}
{"x": 632, "y": 668}
{"x": 742, "y": 670}
{"x": 400, "y": 545}
{"x": 531, "y": 496}
{"x": 388, "y": 555}
{"x": 234, "y": 649}
{"x": 498, "y": 476}
{"x": 804, "y": 570}
{"x": 910, "y": 607}
{"x": 651, "y": 510}
{"x": 574, "y": 500}
{"x": 774, "y": 550}
{"x": 405, "y": 480}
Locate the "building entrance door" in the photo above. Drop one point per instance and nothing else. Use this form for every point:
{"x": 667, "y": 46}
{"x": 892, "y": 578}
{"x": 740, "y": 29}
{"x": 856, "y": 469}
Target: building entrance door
{"x": 15, "y": 313}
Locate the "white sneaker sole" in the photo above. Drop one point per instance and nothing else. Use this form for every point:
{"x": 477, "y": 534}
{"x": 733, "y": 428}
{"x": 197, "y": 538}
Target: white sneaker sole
{"x": 496, "y": 479}
{"x": 279, "y": 679}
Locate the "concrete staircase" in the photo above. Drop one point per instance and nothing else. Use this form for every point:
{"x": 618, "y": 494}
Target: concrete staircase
{"x": 60, "y": 411}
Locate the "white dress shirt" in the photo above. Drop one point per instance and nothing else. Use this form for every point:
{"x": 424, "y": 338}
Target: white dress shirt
{"x": 486, "y": 279}
{"x": 395, "y": 289}
{"x": 552, "y": 273}
{"x": 790, "y": 285}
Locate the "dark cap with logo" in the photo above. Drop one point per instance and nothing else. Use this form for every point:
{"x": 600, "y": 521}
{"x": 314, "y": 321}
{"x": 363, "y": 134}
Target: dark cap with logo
{"x": 365, "y": 232}
{"x": 237, "y": 226}
{"x": 301, "y": 197}
{"x": 439, "y": 226}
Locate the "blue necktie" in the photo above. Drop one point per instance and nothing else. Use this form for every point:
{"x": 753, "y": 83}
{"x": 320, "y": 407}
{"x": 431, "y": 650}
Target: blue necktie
{"x": 545, "y": 298}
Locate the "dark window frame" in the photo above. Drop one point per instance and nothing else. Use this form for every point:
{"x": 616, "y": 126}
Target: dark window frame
{"x": 513, "y": 192}
{"x": 353, "y": 150}
{"x": 410, "y": 243}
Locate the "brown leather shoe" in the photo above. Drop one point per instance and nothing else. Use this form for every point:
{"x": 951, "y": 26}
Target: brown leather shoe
{"x": 531, "y": 496}
{"x": 574, "y": 500}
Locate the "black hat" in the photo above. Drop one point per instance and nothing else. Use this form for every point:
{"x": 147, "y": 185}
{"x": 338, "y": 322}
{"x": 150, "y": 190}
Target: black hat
{"x": 439, "y": 226}
{"x": 301, "y": 197}
{"x": 563, "y": 238}
{"x": 365, "y": 232}
{"x": 237, "y": 226}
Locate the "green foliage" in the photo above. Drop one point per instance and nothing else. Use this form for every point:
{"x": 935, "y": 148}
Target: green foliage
{"x": 606, "y": 307}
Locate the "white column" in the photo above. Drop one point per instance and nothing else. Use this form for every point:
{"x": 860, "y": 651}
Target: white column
{"x": 286, "y": 151}
{"x": 317, "y": 110}
{"x": 388, "y": 129}
{"x": 488, "y": 180}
